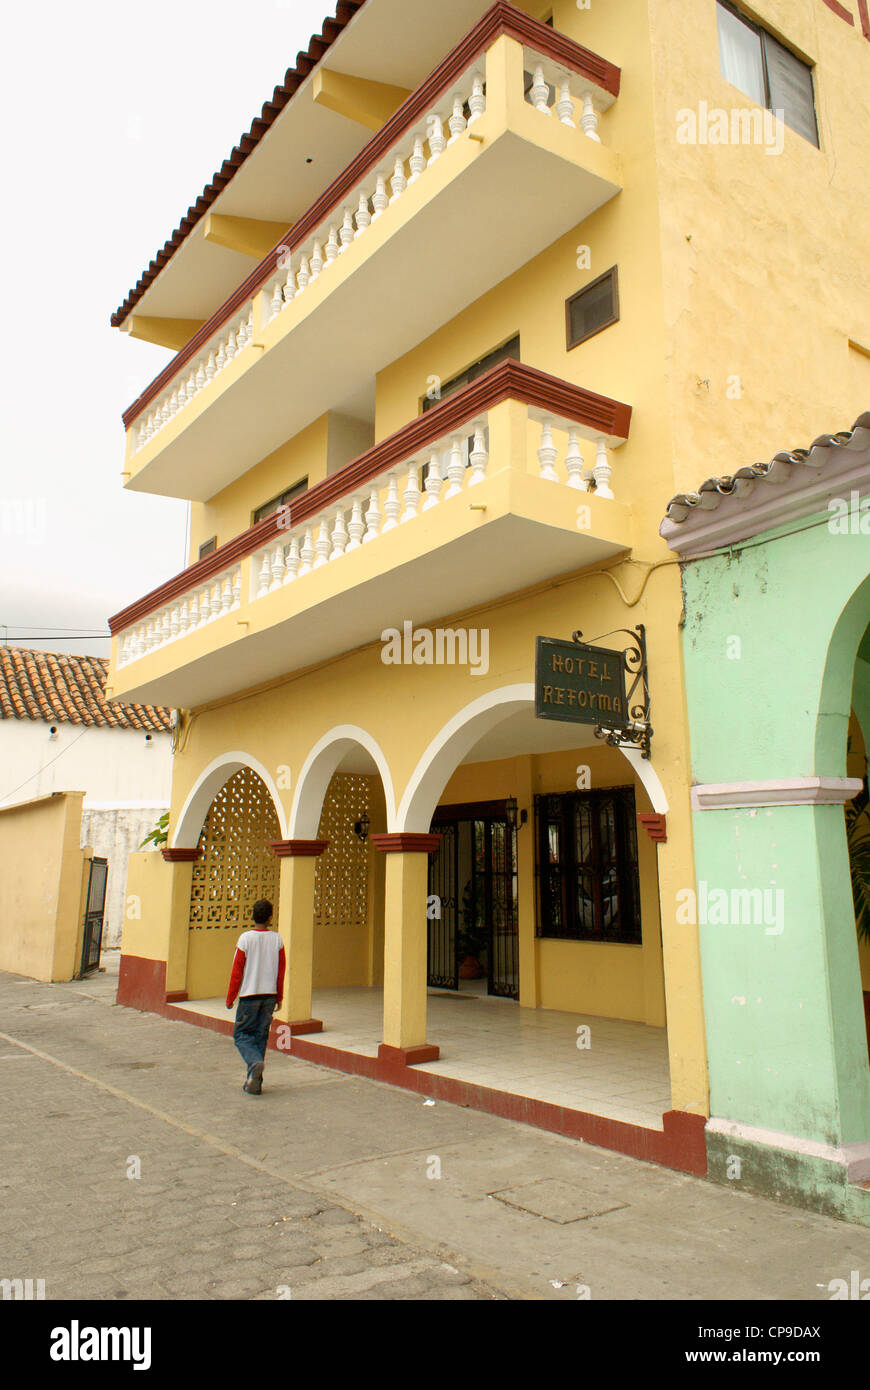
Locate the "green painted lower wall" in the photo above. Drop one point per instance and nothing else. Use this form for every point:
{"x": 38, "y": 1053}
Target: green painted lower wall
{"x": 772, "y": 976}
{"x": 772, "y": 636}
{"x": 797, "y": 1179}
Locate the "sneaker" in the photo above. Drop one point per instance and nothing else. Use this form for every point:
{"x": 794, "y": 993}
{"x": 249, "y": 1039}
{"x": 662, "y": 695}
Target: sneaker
{"x": 254, "y": 1083}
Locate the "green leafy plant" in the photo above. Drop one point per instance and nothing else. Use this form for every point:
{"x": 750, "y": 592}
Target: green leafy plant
{"x": 159, "y": 834}
{"x": 858, "y": 841}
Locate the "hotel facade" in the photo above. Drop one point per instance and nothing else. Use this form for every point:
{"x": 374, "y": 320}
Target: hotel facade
{"x": 469, "y": 302}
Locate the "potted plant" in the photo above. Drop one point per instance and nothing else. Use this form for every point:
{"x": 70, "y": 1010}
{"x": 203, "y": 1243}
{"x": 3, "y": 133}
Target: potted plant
{"x": 159, "y": 834}
{"x": 474, "y": 933}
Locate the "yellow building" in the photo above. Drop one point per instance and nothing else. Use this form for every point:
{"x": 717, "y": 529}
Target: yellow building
{"x": 479, "y": 291}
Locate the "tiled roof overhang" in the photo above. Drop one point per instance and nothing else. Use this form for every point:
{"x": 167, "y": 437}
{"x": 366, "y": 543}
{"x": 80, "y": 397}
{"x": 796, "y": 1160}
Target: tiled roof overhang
{"x": 63, "y": 689}
{"x": 761, "y": 496}
{"x": 293, "y": 78}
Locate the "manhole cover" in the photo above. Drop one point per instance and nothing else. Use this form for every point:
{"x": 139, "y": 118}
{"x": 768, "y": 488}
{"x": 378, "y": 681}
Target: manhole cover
{"x": 557, "y": 1201}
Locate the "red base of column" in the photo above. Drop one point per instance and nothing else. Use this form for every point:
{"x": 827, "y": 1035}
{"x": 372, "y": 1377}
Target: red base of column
{"x": 305, "y": 1025}
{"x": 407, "y": 1056}
{"x": 178, "y": 996}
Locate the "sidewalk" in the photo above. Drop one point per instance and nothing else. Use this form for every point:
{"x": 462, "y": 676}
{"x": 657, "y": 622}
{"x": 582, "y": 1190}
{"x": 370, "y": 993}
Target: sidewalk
{"x": 331, "y": 1186}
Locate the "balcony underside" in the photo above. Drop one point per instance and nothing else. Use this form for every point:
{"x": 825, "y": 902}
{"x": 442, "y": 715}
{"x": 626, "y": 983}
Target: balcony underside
{"x": 442, "y": 565}
{"x": 475, "y": 218}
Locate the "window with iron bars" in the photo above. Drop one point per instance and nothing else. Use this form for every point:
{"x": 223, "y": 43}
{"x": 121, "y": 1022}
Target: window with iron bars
{"x": 588, "y": 883}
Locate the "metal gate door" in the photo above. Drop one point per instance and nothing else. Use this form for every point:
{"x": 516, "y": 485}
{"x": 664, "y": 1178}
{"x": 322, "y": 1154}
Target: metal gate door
{"x": 443, "y": 970}
{"x": 473, "y": 874}
{"x": 94, "y": 908}
{"x": 500, "y": 844}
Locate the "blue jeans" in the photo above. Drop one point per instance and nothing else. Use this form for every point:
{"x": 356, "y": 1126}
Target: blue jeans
{"x": 251, "y": 1033}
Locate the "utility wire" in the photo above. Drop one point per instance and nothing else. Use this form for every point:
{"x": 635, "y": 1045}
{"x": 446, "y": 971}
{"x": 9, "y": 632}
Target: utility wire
{"x": 45, "y": 765}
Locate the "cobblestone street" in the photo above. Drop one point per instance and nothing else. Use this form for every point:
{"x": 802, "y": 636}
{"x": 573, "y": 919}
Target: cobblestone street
{"x": 336, "y": 1187}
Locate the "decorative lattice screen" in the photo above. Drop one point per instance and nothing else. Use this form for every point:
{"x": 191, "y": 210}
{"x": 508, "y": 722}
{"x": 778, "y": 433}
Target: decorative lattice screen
{"x": 341, "y": 876}
{"x": 236, "y": 867}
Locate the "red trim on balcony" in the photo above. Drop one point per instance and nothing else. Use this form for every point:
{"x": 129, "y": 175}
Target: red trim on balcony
{"x": 181, "y": 856}
{"x": 508, "y": 380}
{"x": 501, "y": 19}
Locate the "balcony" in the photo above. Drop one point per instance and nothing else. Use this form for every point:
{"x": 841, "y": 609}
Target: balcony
{"x": 486, "y": 494}
{"x": 494, "y": 157}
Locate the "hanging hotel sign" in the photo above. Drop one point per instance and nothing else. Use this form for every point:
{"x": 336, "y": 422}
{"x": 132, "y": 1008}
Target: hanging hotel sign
{"x": 578, "y": 683}
{"x": 581, "y": 684}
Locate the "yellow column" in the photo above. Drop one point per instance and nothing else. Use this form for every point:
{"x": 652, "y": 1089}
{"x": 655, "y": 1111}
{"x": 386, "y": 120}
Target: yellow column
{"x": 178, "y": 925}
{"x": 296, "y": 926}
{"x": 405, "y": 946}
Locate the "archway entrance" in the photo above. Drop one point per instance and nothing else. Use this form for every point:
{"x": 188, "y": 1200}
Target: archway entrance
{"x": 234, "y": 869}
{"x": 858, "y": 815}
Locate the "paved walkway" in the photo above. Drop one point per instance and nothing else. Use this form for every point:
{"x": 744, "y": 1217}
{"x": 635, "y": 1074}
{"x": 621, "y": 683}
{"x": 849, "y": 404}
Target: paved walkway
{"x": 332, "y": 1186}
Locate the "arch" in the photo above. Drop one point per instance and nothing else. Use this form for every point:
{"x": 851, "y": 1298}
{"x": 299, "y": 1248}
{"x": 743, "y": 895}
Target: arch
{"x": 838, "y": 683}
{"x": 206, "y": 788}
{"x": 458, "y": 737}
{"x": 317, "y": 773}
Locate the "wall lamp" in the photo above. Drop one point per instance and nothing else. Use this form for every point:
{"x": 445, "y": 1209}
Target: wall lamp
{"x": 361, "y": 827}
{"x": 510, "y": 808}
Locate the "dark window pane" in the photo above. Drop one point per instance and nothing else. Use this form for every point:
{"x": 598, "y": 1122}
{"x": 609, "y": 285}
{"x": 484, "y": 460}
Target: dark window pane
{"x": 592, "y": 309}
{"x": 790, "y": 83}
{"x": 208, "y": 547}
{"x": 282, "y": 500}
{"x": 456, "y": 383}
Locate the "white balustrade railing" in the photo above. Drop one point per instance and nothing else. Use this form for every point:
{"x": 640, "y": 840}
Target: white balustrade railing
{"x": 396, "y": 497}
{"x": 559, "y": 92}
{"x": 407, "y": 161}
{"x": 212, "y": 599}
{"x": 560, "y": 440}
{"x": 224, "y": 345}
{"x": 555, "y": 91}
{"x": 421, "y": 483}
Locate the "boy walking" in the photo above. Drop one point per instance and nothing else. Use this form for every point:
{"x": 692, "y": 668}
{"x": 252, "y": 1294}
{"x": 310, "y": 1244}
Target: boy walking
{"x": 258, "y": 979}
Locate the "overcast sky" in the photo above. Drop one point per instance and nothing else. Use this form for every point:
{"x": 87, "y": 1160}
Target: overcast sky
{"x": 114, "y": 118}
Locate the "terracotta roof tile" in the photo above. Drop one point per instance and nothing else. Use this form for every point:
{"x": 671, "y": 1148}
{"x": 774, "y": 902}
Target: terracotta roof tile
{"x": 61, "y": 688}
{"x": 293, "y": 78}
{"x": 742, "y": 483}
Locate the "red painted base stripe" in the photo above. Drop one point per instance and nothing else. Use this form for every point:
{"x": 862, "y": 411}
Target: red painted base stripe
{"x": 680, "y": 1145}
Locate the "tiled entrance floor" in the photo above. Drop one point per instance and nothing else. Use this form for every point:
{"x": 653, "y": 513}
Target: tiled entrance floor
{"x": 622, "y": 1074}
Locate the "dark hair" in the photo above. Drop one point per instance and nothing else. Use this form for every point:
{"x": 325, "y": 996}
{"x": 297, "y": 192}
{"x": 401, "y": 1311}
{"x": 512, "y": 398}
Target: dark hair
{"x": 262, "y": 911}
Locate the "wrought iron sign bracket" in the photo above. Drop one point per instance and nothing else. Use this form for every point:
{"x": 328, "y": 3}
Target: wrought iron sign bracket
{"x": 637, "y": 732}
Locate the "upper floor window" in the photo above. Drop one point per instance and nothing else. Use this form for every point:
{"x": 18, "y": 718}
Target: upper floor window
{"x": 759, "y": 65}
{"x": 456, "y": 383}
{"x": 269, "y": 508}
{"x": 208, "y": 547}
{"x": 594, "y": 307}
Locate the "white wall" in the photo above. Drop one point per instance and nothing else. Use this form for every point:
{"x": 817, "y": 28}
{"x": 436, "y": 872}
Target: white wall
{"x": 114, "y": 835}
{"x": 126, "y": 780}
{"x": 109, "y": 765}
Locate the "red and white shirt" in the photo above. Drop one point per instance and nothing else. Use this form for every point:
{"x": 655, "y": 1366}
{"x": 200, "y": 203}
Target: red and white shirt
{"x": 258, "y": 965}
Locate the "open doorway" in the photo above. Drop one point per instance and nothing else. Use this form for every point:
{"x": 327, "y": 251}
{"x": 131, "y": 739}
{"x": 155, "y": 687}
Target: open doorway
{"x": 473, "y": 935}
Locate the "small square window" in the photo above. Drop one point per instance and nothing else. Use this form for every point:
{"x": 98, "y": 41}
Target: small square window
{"x": 592, "y": 308}
{"x": 208, "y": 547}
